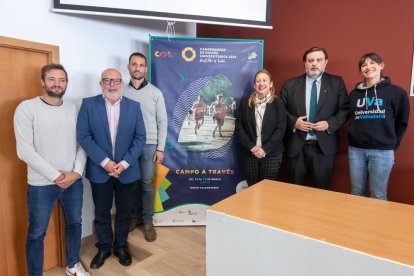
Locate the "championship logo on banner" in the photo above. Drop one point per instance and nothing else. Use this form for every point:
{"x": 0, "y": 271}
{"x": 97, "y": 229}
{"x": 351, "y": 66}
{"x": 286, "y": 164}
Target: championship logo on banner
{"x": 202, "y": 81}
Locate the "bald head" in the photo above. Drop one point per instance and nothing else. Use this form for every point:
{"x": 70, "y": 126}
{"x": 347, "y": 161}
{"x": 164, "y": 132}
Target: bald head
{"x": 111, "y": 73}
{"x": 111, "y": 84}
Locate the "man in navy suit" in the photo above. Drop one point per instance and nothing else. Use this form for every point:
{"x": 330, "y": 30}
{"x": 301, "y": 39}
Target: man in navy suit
{"x": 110, "y": 128}
{"x": 311, "y": 136}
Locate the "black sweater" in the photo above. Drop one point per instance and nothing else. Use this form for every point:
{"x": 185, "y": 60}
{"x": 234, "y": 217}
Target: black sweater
{"x": 379, "y": 116}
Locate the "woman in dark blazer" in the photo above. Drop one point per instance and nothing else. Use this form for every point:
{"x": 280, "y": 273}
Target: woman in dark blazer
{"x": 260, "y": 127}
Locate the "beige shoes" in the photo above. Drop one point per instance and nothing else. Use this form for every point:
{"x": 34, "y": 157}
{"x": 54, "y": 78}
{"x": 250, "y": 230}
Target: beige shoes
{"x": 149, "y": 232}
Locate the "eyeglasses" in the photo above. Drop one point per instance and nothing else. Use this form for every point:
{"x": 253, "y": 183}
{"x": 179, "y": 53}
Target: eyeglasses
{"x": 108, "y": 81}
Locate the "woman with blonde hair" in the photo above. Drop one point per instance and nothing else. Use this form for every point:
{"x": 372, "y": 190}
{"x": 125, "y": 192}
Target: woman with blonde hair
{"x": 260, "y": 127}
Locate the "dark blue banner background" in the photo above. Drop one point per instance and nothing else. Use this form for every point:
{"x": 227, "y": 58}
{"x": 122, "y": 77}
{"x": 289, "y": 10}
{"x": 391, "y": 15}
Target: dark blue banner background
{"x": 204, "y": 168}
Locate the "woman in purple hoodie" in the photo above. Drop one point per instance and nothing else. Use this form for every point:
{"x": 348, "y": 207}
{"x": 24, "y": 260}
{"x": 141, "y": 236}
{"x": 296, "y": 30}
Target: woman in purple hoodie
{"x": 378, "y": 120}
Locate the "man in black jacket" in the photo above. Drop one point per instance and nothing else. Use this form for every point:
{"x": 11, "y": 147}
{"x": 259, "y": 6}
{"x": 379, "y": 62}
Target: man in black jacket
{"x": 317, "y": 106}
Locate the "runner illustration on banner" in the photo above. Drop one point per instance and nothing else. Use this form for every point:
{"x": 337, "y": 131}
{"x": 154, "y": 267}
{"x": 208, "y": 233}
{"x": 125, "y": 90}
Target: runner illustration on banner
{"x": 200, "y": 109}
{"x": 210, "y": 111}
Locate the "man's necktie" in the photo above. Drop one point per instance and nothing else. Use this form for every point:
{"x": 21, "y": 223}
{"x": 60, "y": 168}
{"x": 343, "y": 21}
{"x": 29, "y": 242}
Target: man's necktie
{"x": 313, "y": 106}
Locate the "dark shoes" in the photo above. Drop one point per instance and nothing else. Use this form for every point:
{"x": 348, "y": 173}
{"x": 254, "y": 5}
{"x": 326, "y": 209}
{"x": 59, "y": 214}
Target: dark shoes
{"x": 134, "y": 223}
{"x": 122, "y": 253}
{"x": 149, "y": 232}
{"x": 124, "y": 256}
{"x": 99, "y": 259}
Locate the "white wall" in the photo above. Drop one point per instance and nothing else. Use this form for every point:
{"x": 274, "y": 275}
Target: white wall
{"x": 88, "y": 45}
{"x": 259, "y": 249}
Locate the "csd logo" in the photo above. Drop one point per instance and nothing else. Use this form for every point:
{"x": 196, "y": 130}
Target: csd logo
{"x": 163, "y": 54}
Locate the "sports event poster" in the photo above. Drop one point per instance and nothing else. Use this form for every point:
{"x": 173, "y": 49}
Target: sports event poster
{"x": 202, "y": 81}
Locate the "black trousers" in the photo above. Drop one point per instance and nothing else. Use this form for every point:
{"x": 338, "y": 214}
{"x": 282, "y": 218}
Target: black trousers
{"x": 311, "y": 164}
{"x": 103, "y": 195}
{"x": 257, "y": 169}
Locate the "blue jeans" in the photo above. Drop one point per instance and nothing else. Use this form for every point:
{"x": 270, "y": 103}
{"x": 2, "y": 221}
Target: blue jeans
{"x": 376, "y": 164}
{"x": 144, "y": 191}
{"x": 40, "y": 202}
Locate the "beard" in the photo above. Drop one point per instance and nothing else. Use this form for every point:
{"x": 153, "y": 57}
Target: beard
{"x": 137, "y": 76}
{"x": 55, "y": 94}
{"x": 314, "y": 75}
{"x": 112, "y": 97}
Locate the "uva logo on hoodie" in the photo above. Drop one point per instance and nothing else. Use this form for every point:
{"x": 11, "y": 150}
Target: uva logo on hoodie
{"x": 369, "y": 108}
{"x": 369, "y": 102}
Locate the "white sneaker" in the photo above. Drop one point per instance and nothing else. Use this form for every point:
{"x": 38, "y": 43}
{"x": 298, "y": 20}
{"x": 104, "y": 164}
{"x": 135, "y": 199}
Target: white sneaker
{"x": 77, "y": 270}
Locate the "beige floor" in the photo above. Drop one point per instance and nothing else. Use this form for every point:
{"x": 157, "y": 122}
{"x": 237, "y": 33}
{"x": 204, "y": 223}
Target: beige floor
{"x": 177, "y": 251}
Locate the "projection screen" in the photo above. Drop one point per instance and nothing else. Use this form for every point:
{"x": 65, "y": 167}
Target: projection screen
{"x": 247, "y": 13}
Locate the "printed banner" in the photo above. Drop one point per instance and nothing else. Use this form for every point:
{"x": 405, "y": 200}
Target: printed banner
{"x": 202, "y": 81}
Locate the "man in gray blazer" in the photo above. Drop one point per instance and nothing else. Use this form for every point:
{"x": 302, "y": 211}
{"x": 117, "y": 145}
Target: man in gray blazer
{"x": 317, "y": 107}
